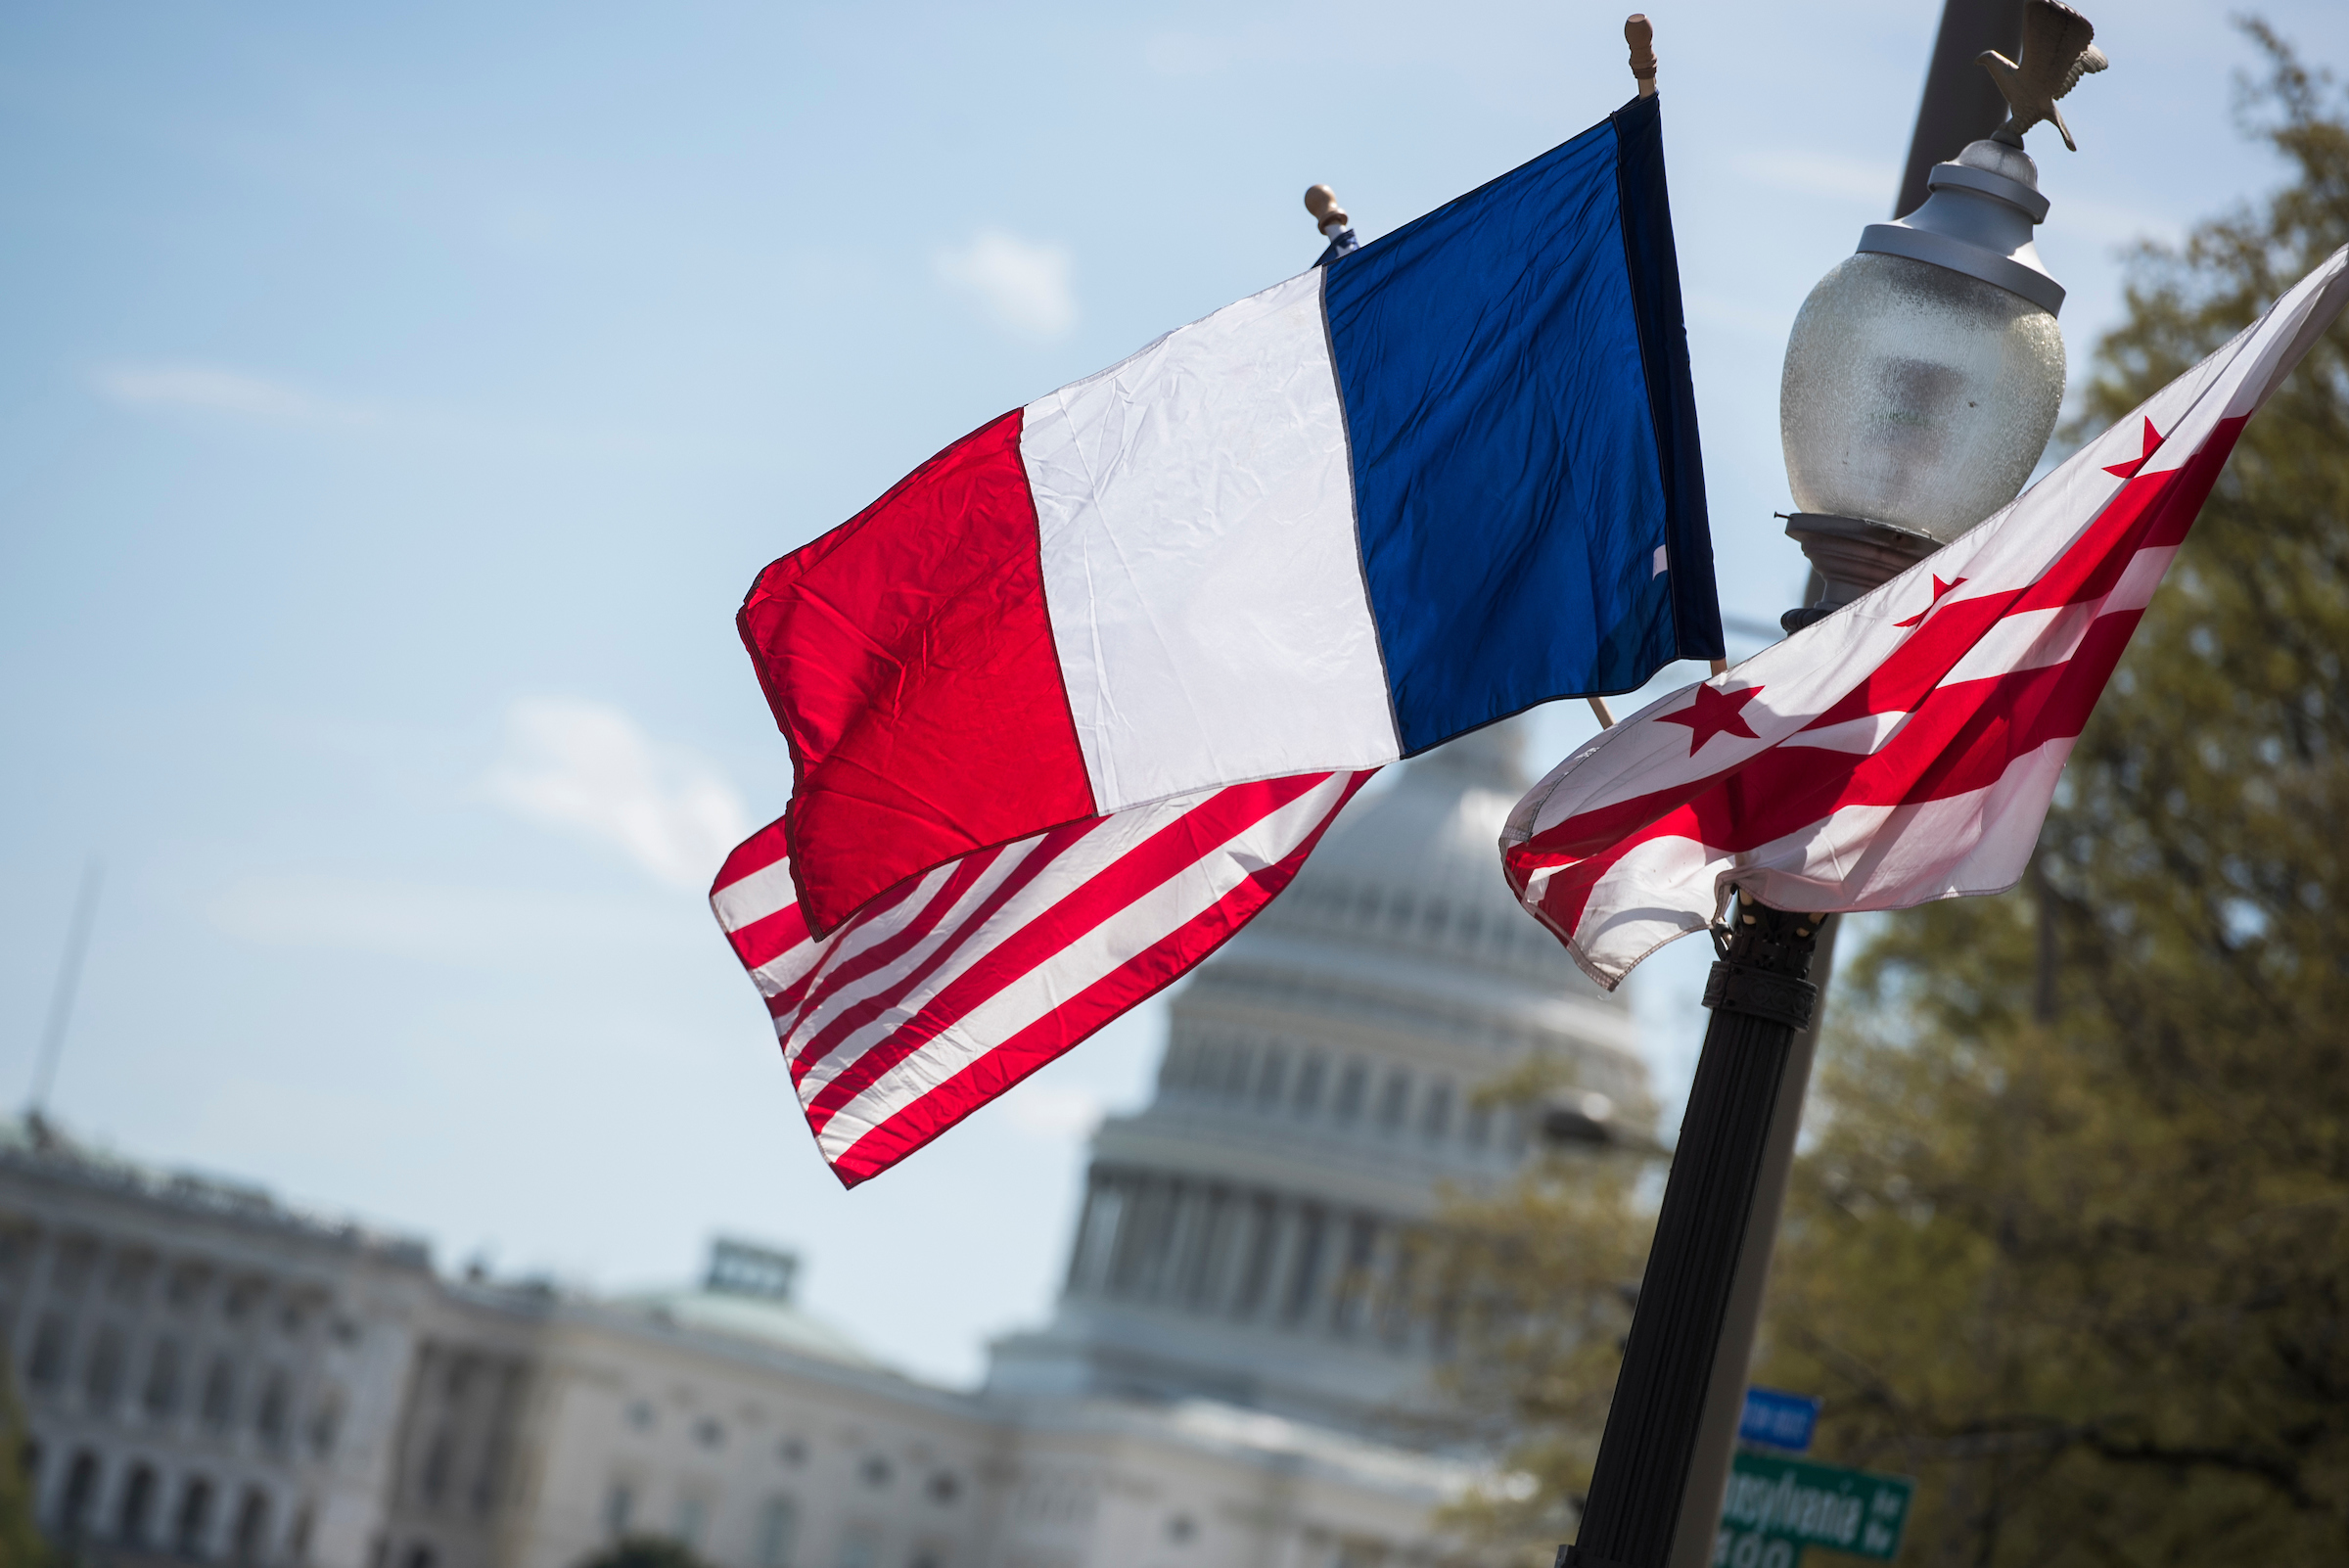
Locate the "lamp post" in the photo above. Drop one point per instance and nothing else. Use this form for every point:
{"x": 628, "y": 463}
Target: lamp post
{"x": 1921, "y": 382}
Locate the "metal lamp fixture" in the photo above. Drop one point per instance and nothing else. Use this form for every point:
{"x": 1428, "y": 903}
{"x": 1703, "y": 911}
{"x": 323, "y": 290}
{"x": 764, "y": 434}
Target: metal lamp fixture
{"x": 1925, "y": 371}
{"x": 1923, "y": 376}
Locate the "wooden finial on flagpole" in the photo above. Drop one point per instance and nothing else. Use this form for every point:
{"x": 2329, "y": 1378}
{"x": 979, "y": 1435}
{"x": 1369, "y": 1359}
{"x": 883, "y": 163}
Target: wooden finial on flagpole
{"x": 1641, "y": 37}
{"x": 1329, "y": 218}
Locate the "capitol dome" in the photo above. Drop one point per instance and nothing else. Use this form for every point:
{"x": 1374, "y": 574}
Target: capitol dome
{"x": 1243, "y": 1235}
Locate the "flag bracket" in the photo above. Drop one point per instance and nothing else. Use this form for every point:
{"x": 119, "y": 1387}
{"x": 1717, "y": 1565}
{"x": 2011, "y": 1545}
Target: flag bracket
{"x": 1735, "y": 987}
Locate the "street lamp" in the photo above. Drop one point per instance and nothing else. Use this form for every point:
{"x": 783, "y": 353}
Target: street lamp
{"x": 1923, "y": 376}
{"x": 1921, "y": 382}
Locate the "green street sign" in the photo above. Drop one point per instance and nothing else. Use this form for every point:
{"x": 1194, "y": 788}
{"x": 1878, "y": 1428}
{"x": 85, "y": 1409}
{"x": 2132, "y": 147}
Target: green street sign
{"x": 1806, "y": 1505}
{"x": 1750, "y": 1548}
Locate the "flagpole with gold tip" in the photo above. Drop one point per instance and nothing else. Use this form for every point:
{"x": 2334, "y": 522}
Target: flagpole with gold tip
{"x": 1640, "y": 34}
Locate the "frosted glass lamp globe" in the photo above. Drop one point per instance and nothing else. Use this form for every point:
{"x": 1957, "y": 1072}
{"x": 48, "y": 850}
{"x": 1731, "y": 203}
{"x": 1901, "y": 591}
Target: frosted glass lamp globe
{"x": 1915, "y": 396}
{"x": 1923, "y": 376}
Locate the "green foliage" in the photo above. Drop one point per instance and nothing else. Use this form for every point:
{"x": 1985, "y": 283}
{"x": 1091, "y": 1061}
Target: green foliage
{"x": 2071, "y": 1242}
{"x": 20, "y": 1543}
{"x": 645, "y": 1551}
{"x": 1537, "y": 1285}
{"x": 2073, "y": 1247}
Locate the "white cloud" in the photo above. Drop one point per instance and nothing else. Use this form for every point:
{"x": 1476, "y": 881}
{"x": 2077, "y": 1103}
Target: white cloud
{"x": 586, "y": 767}
{"x": 1023, "y": 285}
{"x": 471, "y": 927}
{"x": 211, "y": 389}
{"x": 219, "y": 393}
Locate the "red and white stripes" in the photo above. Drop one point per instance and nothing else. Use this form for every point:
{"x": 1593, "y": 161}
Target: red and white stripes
{"x": 1906, "y": 748}
{"x": 950, "y": 988}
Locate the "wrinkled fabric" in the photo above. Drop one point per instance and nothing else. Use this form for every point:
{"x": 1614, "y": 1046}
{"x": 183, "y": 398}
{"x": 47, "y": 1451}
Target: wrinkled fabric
{"x": 1429, "y": 483}
{"x": 1906, "y": 747}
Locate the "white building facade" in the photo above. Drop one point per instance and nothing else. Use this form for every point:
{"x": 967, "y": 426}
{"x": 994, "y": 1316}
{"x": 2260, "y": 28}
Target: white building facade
{"x": 1248, "y": 1236}
{"x": 207, "y": 1373}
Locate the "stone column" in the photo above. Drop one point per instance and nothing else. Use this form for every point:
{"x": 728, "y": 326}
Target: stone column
{"x": 1284, "y": 1222}
{"x": 1141, "y": 1240}
{"x": 1242, "y": 1293}
{"x": 1204, "y": 1269}
{"x": 1304, "y": 1282}
{"x": 31, "y": 1300}
{"x": 1185, "y": 1212}
{"x": 1096, "y": 1233}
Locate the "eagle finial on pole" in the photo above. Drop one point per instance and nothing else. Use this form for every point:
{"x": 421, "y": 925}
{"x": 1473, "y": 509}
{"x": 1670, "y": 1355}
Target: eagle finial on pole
{"x": 2059, "y": 49}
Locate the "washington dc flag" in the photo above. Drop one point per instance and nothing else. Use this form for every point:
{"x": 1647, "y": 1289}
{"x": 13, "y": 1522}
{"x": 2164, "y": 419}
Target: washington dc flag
{"x": 1442, "y": 478}
{"x": 1906, "y": 747}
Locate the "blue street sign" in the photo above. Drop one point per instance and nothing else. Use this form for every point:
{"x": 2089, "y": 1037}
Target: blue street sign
{"x": 1779, "y": 1419}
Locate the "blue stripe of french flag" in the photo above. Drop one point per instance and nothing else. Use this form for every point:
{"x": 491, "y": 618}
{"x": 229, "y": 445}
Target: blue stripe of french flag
{"x": 1444, "y": 477}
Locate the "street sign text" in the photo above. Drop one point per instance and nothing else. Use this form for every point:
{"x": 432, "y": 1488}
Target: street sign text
{"x": 1816, "y": 1504}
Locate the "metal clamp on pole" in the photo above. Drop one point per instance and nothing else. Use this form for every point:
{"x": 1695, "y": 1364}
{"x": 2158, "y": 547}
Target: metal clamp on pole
{"x": 1758, "y": 975}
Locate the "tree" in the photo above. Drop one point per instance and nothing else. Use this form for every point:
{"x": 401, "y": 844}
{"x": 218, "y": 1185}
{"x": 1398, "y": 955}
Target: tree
{"x": 20, "y": 1541}
{"x": 2073, "y": 1246}
{"x": 2070, "y": 1243}
{"x": 1534, "y": 1296}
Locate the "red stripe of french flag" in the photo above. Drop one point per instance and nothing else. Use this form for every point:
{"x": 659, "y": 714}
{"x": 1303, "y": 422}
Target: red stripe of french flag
{"x": 1905, "y": 748}
{"x": 1141, "y": 587}
{"x": 934, "y": 592}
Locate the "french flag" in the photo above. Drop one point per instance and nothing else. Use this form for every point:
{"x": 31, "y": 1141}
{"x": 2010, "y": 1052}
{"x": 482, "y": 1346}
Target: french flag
{"x": 1426, "y": 485}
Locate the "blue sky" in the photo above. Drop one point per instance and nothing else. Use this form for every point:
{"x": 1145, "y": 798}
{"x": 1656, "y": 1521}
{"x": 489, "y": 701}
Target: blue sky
{"x": 398, "y": 400}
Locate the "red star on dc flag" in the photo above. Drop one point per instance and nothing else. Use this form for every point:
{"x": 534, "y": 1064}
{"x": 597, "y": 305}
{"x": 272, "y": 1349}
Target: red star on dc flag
{"x": 1713, "y": 712}
{"x": 1939, "y": 588}
{"x": 2129, "y": 469}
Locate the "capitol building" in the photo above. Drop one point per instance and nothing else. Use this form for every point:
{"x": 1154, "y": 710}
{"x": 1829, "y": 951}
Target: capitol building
{"x": 1240, "y": 1372}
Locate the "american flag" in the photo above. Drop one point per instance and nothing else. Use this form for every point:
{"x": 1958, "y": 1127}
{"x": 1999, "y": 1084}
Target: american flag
{"x": 939, "y": 995}
{"x": 1905, "y": 748}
